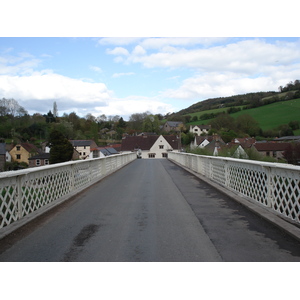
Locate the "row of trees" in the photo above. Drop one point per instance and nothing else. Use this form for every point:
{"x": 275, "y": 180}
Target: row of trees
{"x": 18, "y": 125}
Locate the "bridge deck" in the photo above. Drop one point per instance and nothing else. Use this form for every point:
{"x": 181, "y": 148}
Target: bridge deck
{"x": 150, "y": 210}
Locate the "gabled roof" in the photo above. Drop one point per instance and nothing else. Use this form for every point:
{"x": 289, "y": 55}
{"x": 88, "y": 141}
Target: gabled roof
{"x": 201, "y": 126}
{"x": 269, "y": 146}
{"x": 81, "y": 143}
{"x": 131, "y": 143}
{"x": 201, "y": 139}
{"x": 106, "y": 150}
{"x": 29, "y": 147}
{"x": 173, "y": 123}
{"x": 40, "y": 156}
{"x": 244, "y": 142}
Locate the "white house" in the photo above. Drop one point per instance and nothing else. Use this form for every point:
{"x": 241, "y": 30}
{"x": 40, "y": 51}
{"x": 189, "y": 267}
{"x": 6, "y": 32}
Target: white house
{"x": 151, "y": 146}
{"x": 201, "y": 141}
{"x": 199, "y": 129}
{"x": 84, "y": 148}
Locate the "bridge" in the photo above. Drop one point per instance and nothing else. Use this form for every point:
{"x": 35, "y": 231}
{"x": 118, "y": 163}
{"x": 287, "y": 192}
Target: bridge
{"x": 186, "y": 208}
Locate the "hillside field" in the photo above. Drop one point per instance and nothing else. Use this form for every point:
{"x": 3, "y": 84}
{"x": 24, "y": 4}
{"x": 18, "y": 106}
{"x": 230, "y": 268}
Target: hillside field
{"x": 268, "y": 116}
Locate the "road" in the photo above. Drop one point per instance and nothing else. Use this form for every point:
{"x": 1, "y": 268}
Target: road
{"x": 149, "y": 211}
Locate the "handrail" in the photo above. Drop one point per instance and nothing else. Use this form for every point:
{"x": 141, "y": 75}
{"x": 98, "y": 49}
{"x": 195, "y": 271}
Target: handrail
{"x": 273, "y": 185}
{"x": 25, "y": 194}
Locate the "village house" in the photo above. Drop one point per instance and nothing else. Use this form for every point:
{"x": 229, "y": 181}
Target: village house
{"x": 172, "y": 126}
{"x": 39, "y": 160}
{"x": 272, "y": 149}
{"x": 84, "y": 148}
{"x": 201, "y": 141}
{"x": 22, "y": 152}
{"x": 199, "y": 129}
{"x": 151, "y": 146}
{"x": 244, "y": 142}
{"x": 103, "y": 151}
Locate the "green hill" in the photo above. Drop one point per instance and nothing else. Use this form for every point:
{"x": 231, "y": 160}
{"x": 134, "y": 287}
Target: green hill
{"x": 268, "y": 116}
{"x": 273, "y": 115}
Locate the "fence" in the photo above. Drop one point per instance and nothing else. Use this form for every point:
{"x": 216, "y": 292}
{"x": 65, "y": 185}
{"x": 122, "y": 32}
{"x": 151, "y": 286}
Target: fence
{"x": 27, "y": 193}
{"x": 273, "y": 185}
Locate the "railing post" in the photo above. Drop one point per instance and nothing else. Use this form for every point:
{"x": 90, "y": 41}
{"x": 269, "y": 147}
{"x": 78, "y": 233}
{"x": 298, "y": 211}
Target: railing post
{"x": 226, "y": 169}
{"x": 72, "y": 178}
{"x": 269, "y": 187}
{"x": 19, "y": 196}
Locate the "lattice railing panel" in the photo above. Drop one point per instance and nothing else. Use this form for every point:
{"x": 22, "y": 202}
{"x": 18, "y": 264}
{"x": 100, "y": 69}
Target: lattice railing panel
{"x": 249, "y": 180}
{"x": 26, "y": 191}
{"x": 39, "y": 189}
{"x": 8, "y": 201}
{"x": 218, "y": 171}
{"x": 286, "y": 193}
{"x": 274, "y": 185}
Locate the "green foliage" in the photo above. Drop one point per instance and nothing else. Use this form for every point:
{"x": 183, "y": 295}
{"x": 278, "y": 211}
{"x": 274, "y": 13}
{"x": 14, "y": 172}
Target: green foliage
{"x": 61, "y": 149}
{"x": 151, "y": 123}
{"x": 187, "y": 138}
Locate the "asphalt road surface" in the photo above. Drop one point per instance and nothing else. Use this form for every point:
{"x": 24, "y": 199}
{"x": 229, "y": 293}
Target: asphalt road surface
{"x": 150, "y": 211}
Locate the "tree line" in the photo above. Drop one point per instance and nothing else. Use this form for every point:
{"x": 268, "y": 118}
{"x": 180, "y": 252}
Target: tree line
{"x": 16, "y": 125}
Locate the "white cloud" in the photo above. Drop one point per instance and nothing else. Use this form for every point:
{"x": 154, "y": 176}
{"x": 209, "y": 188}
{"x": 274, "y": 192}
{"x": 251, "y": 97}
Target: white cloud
{"x": 96, "y": 69}
{"x": 118, "y": 51}
{"x": 221, "y": 85}
{"x": 116, "y": 75}
{"x": 139, "y": 50}
{"x": 157, "y": 43}
{"x": 134, "y": 104}
{"x": 118, "y": 41}
{"x": 245, "y": 57}
{"x": 35, "y": 91}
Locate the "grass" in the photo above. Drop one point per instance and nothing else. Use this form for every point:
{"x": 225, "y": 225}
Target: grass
{"x": 268, "y": 116}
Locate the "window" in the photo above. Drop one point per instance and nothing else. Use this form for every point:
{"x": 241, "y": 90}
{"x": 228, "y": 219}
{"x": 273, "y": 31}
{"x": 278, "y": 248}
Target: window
{"x": 38, "y": 162}
{"x": 165, "y": 155}
{"x": 18, "y": 148}
{"x": 161, "y": 146}
{"x": 46, "y": 161}
{"x": 18, "y": 156}
{"x": 151, "y": 155}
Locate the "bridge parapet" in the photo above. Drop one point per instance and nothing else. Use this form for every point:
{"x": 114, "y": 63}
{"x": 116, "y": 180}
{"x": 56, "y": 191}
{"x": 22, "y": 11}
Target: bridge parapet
{"x": 25, "y": 194}
{"x": 273, "y": 185}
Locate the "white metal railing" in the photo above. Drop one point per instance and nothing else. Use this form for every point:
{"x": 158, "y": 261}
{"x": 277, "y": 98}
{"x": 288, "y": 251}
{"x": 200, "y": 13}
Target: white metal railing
{"x": 23, "y": 193}
{"x": 273, "y": 185}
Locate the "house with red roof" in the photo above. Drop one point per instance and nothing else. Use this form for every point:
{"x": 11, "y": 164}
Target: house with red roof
{"x": 22, "y": 152}
{"x": 273, "y": 149}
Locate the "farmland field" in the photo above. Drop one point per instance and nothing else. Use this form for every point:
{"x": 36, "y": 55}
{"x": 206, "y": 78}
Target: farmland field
{"x": 268, "y": 116}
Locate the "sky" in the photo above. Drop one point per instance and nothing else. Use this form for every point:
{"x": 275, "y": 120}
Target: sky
{"x": 161, "y": 58}
{"x": 122, "y": 76}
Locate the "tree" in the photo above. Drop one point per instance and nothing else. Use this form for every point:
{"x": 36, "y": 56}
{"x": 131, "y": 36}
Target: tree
{"x": 11, "y": 107}
{"x": 55, "y": 111}
{"x": 151, "y": 124}
{"x": 49, "y": 117}
{"x": 61, "y": 149}
{"x": 136, "y": 120}
{"x": 247, "y": 124}
{"x": 122, "y": 123}
{"x": 223, "y": 122}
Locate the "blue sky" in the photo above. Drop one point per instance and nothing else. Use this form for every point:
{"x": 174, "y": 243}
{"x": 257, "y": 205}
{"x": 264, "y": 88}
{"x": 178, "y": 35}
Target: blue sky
{"x": 122, "y": 76}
